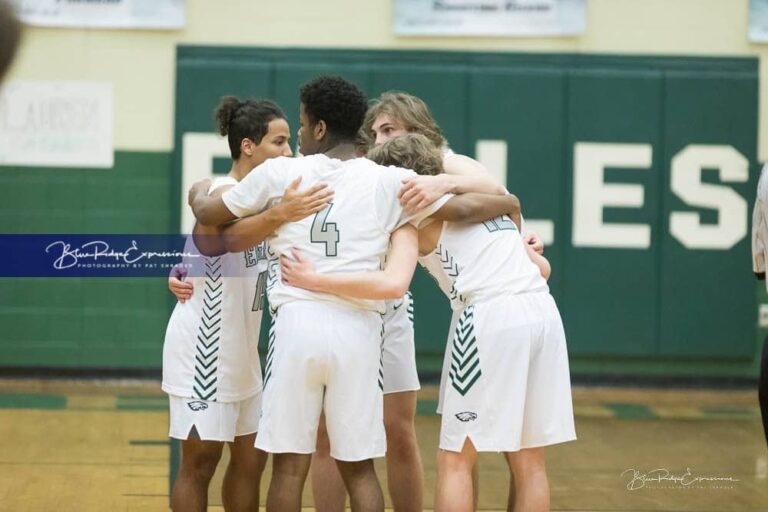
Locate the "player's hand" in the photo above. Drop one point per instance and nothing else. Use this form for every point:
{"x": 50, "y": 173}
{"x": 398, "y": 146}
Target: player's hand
{"x": 421, "y": 191}
{"x": 180, "y": 288}
{"x": 297, "y": 271}
{"x": 200, "y": 187}
{"x": 535, "y": 242}
{"x": 296, "y": 205}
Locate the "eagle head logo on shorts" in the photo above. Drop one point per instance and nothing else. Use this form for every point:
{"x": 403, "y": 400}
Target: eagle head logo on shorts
{"x": 466, "y": 416}
{"x": 197, "y": 405}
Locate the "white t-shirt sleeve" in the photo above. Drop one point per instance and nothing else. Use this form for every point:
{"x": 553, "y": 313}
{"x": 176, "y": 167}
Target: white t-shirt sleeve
{"x": 421, "y": 217}
{"x": 388, "y": 209}
{"x": 258, "y": 189}
{"x": 222, "y": 181}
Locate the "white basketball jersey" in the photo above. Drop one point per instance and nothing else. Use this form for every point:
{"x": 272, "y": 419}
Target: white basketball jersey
{"x": 350, "y": 235}
{"x": 211, "y": 343}
{"x": 473, "y": 262}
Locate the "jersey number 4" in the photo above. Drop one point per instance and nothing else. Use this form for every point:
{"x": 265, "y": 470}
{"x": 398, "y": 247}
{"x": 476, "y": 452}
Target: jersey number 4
{"x": 324, "y": 232}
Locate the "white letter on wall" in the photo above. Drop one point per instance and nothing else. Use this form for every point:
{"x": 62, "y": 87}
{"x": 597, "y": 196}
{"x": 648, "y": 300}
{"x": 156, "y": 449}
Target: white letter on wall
{"x": 493, "y": 155}
{"x": 731, "y": 208}
{"x": 197, "y": 154}
{"x": 591, "y": 195}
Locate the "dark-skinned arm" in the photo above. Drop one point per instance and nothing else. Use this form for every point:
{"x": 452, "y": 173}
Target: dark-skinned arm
{"x": 208, "y": 210}
{"x": 293, "y": 207}
{"x": 250, "y": 231}
{"x": 208, "y": 240}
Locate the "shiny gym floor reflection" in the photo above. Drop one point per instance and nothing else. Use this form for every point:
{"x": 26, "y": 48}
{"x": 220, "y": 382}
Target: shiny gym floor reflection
{"x": 91, "y": 446}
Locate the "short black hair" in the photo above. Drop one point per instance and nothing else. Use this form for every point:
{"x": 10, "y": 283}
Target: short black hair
{"x": 249, "y": 119}
{"x": 10, "y": 34}
{"x": 341, "y": 104}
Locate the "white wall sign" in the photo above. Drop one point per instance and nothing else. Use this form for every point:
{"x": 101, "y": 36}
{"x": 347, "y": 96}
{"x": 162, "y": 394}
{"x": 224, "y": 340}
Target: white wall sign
{"x": 758, "y": 21}
{"x": 56, "y": 124}
{"x": 490, "y": 17}
{"x": 143, "y": 14}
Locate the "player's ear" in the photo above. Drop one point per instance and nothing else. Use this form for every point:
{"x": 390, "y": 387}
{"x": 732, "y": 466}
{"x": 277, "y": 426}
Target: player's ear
{"x": 319, "y": 130}
{"x": 246, "y": 146}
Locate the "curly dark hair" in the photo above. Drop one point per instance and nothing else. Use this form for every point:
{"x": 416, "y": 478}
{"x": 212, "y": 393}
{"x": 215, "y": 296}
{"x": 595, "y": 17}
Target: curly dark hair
{"x": 249, "y": 119}
{"x": 341, "y": 104}
{"x": 10, "y": 34}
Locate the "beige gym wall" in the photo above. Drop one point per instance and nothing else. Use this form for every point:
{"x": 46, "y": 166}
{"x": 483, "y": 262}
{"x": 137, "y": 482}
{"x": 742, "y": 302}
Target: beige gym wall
{"x": 141, "y": 64}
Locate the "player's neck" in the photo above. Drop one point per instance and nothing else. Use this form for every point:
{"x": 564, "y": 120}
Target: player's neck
{"x": 343, "y": 151}
{"x": 239, "y": 170}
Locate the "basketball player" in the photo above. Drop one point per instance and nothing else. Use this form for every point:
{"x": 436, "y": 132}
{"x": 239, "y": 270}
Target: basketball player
{"x": 759, "y": 254}
{"x": 396, "y": 113}
{"x": 390, "y": 115}
{"x": 211, "y": 367}
{"x": 325, "y": 349}
{"x": 10, "y": 35}
{"x": 507, "y": 388}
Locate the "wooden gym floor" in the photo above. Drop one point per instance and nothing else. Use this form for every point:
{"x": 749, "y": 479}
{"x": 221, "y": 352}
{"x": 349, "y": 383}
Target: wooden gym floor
{"x": 94, "y": 446}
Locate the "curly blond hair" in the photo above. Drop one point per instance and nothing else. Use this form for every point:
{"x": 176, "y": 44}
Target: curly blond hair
{"x": 407, "y": 109}
{"x": 412, "y": 151}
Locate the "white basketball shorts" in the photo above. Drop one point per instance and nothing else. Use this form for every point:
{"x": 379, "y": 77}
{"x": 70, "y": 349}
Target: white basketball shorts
{"x": 508, "y": 383}
{"x": 214, "y": 421}
{"x": 399, "y": 354}
{"x": 324, "y": 356}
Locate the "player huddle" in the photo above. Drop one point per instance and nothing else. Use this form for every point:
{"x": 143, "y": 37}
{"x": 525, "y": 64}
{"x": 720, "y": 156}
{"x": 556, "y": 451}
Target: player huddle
{"x": 333, "y": 239}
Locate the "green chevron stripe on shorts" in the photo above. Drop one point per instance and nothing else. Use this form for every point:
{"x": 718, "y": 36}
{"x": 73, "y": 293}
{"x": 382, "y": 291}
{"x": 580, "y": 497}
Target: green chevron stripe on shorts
{"x": 381, "y": 356}
{"x": 208, "y": 333}
{"x": 270, "y": 349}
{"x": 465, "y": 357}
{"x": 409, "y": 310}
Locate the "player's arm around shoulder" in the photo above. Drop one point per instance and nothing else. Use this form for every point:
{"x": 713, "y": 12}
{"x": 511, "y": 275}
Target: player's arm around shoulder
{"x": 461, "y": 175}
{"x": 294, "y": 206}
{"x": 250, "y": 196}
{"x": 474, "y": 207}
{"x": 207, "y": 238}
{"x": 469, "y": 175}
{"x": 209, "y": 210}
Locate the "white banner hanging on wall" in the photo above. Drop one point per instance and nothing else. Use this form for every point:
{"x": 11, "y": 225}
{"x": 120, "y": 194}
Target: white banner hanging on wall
{"x": 138, "y": 14}
{"x": 758, "y": 21}
{"x": 490, "y": 17}
{"x": 56, "y": 124}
